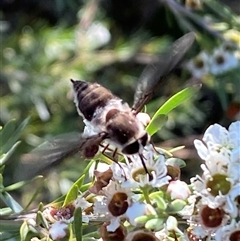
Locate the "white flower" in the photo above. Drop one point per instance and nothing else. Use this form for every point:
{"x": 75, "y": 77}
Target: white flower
{"x": 100, "y": 167}
{"x": 218, "y": 189}
{"x": 199, "y": 66}
{"x": 188, "y": 210}
{"x": 35, "y": 239}
{"x": 231, "y": 205}
{"x": 94, "y": 37}
{"x": 229, "y": 232}
{"x": 64, "y": 214}
{"x": 234, "y": 130}
{"x": 58, "y": 230}
{"x": 206, "y": 220}
{"x": 170, "y": 228}
{"x": 222, "y": 61}
{"x": 114, "y": 204}
{"x": 133, "y": 175}
{"x": 172, "y": 224}
{"x": 82, "y": 203}
{"x": 208, "y": 196}
{"x": 216, "y": 138}
{"x": 215, "y": 188}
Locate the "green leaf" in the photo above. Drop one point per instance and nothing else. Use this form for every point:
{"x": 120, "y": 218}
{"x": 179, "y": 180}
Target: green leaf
{"x": 78, "y": 223}
{"x": 1, "y": 182}
{"x": 94, "y": 234}
{"x": 73, "y": 192}
{"x": 10, "y": 202}
{"x": 4, "y": 158}
{"x": 24, "y": 231}
{"x": 177, "y": 205}
{"x": 85, "y": 187}
{"x": 41, "y": 220}
{"x": 5, "y": 211}
{"x": 6, "y": 236}
{"x": 157, "y": 197}
{"x": 143, "y": 219}
{"x": 86, "y": 169}
{"x": 77, "y": 186}
{"x": 156, "y": 124}
{"x": 7, "y": 130}
{"x": 9, "y": 225}
{"x": 175, "y": 162}
{"x": 59, "y": 201}
{"x": 38, "y": 190}
{"x": 19, "y": 184}
{"x": 1, "y": 171}
{"x": 172, "y": 103}
{"x": 154, "y": 224}
{"x": 223, "y": 11}
{"x": 9, "y": 137}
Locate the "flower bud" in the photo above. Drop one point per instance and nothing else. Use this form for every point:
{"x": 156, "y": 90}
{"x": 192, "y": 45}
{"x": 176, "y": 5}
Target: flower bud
{"x": 178, "y": 190}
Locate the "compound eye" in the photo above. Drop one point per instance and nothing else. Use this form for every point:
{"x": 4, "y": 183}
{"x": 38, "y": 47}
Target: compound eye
{"x": 132, "y": 148}
{"x": 144, "y": 139}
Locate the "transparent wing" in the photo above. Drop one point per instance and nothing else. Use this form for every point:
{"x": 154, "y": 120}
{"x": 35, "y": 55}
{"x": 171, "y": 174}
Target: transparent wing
{"x": 153, "y": 75}
{"x": 52, "y": 152}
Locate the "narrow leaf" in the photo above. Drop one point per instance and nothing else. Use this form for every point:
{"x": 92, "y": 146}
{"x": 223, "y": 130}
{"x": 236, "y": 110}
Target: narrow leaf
{"x": 7, "y": 130}
{"x": 85, "y": 187}
{"x": 35, "y": 193}
{"x": 6, "y": 236}
{"x": 24, "y": 231}
{"x": 1, "y": 182}
{"x": 156, "y": 124}
{"x": 41, "y": 220}
{"x": 14, "y": 136}
{"x": 73, "y": 192}
{"x": 223, "y": 11}
{"x": 172, "y": 103}
{"x": 10, "y": 202}
{"x": 78, "y": 223}
{"x": 5, "y": 157}
{"x": 71, "y": 195}
{"x": 19, "y": 184}
{"x": 5, "y": 211}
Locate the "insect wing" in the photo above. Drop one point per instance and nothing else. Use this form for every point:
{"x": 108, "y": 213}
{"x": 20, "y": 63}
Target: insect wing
{"x": 155, "y": 74}
{"x": 51, "y": 153}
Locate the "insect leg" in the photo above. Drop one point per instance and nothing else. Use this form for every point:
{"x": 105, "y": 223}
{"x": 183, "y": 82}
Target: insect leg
{"x": 145, "y": 167}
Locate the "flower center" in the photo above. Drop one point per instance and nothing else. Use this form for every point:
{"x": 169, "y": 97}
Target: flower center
{"x": 138, "y": 174}
{"x": 220, "y": 59}
{"x": 143, "y": 237}
{"x": 199, "y": 64}
{"x": 235, "y": 236}
{"x": 219, "y": 183}
{"x": 63, "y": 212}
{"x": 117, "y": 235}
{"x": 211, "y": 217}
{"x": 118, "y": 205}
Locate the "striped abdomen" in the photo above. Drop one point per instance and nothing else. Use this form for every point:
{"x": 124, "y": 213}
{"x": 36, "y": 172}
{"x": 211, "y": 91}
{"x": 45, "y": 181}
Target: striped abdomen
{"x": 89, "y": 97}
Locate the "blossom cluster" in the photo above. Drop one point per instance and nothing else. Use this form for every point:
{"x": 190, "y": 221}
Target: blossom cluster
{"x": 136, "y": 201}
{"x": 217, "y": 190}
{"x": 132, "y": 202}
{"x": 220, "y": 61}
